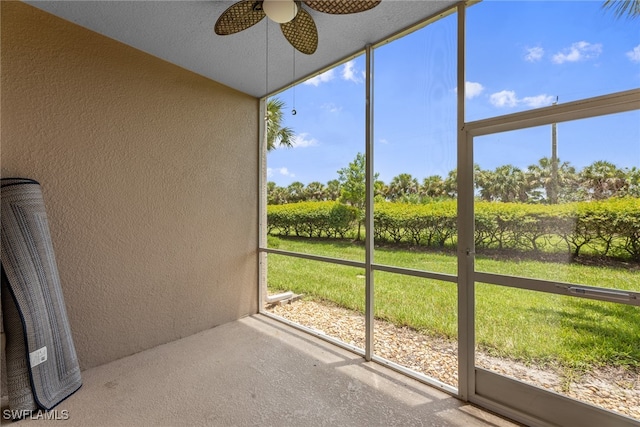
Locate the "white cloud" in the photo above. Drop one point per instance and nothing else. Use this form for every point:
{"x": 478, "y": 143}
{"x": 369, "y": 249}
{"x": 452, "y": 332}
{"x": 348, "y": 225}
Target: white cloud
{"x": 537, "y": 101}
{"x": 303, "y": 140}
{"x": 321, "y": 78}
{"x": 350, "y": 73}
{"x": 505, "y": 98}
{"x": 472, "y": 89}
{"x": 280, "y": 171}
{"x": 534, "y": 54}
{"x": 383, "y": 141}
{"x": 634, "y": 55}
{"x": 508, "y": 98}
{"x": 578, "y": 51}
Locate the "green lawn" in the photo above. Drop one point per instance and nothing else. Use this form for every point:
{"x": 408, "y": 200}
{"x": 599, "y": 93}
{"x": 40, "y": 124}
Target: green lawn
{"x": 524, "y": 325}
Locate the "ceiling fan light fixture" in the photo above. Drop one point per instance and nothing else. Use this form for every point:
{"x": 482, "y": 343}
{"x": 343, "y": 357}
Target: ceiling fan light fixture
{"x": 297, "y": 25}
{"x": 280, "y": 11}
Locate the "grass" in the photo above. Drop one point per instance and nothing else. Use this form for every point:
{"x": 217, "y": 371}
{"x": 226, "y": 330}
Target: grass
{"x": 518, "y": 324}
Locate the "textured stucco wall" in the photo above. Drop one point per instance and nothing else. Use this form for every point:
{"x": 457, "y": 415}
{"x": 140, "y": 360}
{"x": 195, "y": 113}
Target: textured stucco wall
{"x": 149, "y": 177}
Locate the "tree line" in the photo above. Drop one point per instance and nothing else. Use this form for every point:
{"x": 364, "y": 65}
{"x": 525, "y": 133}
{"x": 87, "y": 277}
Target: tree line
{"x": 537, "y": 184}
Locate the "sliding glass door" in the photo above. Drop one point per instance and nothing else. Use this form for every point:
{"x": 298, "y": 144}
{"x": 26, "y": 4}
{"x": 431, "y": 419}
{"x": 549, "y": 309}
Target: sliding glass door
{"x": 556, "y": 282}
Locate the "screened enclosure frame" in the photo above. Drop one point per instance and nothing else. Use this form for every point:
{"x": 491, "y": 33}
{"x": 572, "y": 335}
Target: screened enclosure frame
{"x": 502, "y": 393}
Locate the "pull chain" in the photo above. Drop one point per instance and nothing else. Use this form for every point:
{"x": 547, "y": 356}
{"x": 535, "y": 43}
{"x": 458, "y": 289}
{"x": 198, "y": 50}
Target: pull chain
{"x": 294, "y": 112}
{"x": 266, "y": 62}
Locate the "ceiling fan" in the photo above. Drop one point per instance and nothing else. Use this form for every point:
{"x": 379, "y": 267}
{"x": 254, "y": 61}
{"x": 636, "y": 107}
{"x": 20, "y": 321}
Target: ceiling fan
{"x": 295, "y": 22}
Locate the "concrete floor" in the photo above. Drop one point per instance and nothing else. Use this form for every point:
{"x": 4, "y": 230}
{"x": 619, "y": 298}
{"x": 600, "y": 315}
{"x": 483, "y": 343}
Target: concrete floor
{"x": 257, "y": 372}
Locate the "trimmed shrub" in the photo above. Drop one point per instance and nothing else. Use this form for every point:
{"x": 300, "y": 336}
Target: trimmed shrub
{"x": 311, "y": 219}
{"x": 607, "y": 228}
{"x": 432, "y": 224}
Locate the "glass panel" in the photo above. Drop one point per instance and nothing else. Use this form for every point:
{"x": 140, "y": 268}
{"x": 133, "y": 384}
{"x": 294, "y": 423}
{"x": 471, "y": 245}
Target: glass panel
{"x": 415, "y": 149}
{"x": 515, "y": 63}
{"x": 578, "y": 222}
{"x": 584, "y": 349}
{"x": 332, "y": 296}
{"x": 314, "y": 158}
{"x": 416, "y": 324}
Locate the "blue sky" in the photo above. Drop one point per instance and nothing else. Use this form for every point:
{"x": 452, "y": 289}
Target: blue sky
{"x": 520, "y": 55}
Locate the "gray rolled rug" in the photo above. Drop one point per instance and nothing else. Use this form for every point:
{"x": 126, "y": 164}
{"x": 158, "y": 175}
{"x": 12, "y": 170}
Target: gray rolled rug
{"x": 42, "y": 366}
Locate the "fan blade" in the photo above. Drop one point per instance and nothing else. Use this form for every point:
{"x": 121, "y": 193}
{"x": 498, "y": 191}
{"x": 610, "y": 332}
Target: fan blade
{"x": 239, "y": 16}
{"x": 301, "y": 32}
{"x": 341, "y": 7}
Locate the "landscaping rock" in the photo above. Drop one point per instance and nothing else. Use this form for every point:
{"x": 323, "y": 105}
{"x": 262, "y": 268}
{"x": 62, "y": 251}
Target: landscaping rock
{"x": 615, "y": 389}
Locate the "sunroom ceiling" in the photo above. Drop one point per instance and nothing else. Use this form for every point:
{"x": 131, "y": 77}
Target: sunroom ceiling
{"x": 181, "y": 32}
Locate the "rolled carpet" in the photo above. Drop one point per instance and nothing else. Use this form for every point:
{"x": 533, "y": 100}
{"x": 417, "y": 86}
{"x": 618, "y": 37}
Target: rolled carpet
{"x": 42, "y": 365}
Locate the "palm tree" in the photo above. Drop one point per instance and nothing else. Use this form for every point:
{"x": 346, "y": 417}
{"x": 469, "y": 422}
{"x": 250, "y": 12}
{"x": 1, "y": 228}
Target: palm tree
{"x": 276, "y": 134}
{"x": 315, "y": 191}
{"x": 271, "y": 188}
{"x": 380, "y": 190}
{"x": 451, "y": 184}
{"x": 333, "y": 189}
{"x": 433, "y": 187}
{"x": 484, "y": 180}
{"x": 623, "y": 7}
{"x": 541, "y": 176}
{"x": 403, "y": 185}
{"x": 632, "y": 182}
{"x": 506, "y": 184}
{"x": 295, "y": 192}
{"x": 602, "y": 180}
{"x": 276, "y": 195}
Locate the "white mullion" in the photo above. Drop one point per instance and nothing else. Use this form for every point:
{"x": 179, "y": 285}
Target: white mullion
{"x": 369, "y": 308}
{"x": 466, "y": 333}
{"x": 321, "y": 258}
{"x": 619, "y": 296}
{"x": 416, "y": 273}
{"x": 262, "y": 203}
{"x": 583, "y": 109}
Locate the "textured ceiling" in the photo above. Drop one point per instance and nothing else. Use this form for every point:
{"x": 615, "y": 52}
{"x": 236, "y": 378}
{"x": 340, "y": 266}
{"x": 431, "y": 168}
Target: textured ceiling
{"x": 181, "y": 32}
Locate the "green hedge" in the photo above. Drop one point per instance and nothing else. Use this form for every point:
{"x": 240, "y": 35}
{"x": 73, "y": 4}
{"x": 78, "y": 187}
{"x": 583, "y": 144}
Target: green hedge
{"x": 609, "y": 228}
{"x": 311, "y": 219}
{"x": 431, "y": 224}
